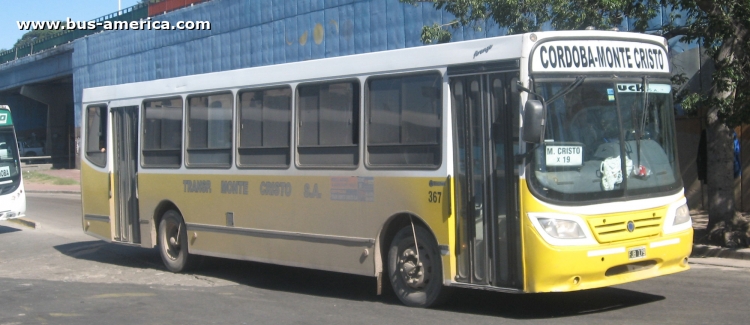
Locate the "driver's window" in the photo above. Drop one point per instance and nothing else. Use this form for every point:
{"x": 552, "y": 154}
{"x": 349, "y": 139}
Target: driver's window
{"x": 591, "y": 117}
{"x": 96, "y": 136}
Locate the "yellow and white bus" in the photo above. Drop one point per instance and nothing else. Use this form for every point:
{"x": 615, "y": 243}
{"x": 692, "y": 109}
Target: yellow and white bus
{"x": 12, "y": 196}
{"x": 541, "y": 162}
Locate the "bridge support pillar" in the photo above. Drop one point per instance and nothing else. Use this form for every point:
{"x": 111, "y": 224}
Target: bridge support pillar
{"x": 60, "y": 141}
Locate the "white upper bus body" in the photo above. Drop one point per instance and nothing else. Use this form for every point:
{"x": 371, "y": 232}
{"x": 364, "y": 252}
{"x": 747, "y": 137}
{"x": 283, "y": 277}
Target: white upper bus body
{"x": 570, "y": 52}
{"x": 12, "y": 195}
{"x": 573, "y": 52}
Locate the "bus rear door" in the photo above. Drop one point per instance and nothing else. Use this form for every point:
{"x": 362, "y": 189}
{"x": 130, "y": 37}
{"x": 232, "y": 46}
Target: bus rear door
{"x": 125, "y": 189}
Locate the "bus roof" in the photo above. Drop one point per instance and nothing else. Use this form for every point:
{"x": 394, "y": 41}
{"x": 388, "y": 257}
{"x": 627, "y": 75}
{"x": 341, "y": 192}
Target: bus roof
{"x": 510, "y": 47}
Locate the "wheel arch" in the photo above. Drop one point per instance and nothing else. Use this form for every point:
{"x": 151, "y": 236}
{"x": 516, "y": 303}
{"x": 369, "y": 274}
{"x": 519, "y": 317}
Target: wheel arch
{"x": 161, "y": 208}
{"x": 391, "y": 226}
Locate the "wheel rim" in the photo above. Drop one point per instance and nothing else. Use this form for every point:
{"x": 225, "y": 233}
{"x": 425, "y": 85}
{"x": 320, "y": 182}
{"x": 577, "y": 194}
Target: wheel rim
{"x": 414, "y": 269}
{"x": 171, "y": 240}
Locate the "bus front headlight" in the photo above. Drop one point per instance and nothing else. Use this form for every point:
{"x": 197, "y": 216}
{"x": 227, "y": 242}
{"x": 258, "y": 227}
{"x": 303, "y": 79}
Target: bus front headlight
{"x": 562, "y": 229}
{"x": 678, "y": 218}
{"x": 682, "y": 215}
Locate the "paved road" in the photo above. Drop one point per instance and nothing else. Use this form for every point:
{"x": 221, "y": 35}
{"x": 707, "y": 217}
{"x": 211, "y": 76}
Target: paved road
{"x": 57, "y": 275}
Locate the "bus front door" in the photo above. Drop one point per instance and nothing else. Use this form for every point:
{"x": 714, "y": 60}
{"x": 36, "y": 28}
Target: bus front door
{"x": 96, "y": 173}
{"x": 125, "y": 184}
{"x": 486, "y": 141}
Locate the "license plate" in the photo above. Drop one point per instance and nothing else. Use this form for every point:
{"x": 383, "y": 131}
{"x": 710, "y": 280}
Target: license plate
{"x": 637, "y": 253}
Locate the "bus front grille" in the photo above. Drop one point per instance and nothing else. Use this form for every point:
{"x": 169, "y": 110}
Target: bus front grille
{"x": 626, "y": 226}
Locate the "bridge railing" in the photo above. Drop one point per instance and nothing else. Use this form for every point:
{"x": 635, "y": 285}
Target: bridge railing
{"x": 136, "y": 12}
{"x": 162, "y": 6}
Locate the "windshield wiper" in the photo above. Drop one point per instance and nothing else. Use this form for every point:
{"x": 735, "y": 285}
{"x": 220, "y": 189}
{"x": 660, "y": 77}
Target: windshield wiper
{"x": 579, "y": 80}
{"x": 639, "y": 126}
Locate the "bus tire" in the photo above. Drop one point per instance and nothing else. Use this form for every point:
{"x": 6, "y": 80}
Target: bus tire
{"x": 173, "y": 243}
{"x": 415, "y": 285}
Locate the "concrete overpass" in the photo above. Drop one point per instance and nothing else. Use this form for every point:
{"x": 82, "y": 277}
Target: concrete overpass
{"x": 39, "y": 90}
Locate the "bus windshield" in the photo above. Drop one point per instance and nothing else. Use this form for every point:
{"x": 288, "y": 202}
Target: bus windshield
{"x": 9, "y": 168}
{"x": 589, "y": 126}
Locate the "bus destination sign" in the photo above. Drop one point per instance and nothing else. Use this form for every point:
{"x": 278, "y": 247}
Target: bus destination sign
{"x": 5, "y": 118}
{"x": 598, "y": 55}
{"x": 564, "y": 155}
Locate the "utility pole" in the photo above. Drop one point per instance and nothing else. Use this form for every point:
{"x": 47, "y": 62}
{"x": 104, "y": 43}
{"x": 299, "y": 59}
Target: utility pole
{"x": 33, "y": 39}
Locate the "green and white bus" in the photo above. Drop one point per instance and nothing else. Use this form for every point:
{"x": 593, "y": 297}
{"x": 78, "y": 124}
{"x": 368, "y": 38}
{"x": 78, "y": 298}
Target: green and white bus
{"x": 12, "y": 196}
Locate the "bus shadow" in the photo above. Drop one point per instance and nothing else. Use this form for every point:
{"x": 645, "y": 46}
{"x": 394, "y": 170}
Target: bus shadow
{"x": 252, "y": 274}
{"x": 292, "y": 279}
{"x": 114, "y": 254}
{"x": 362, "y": 288}
{"x": 546, "y": 305}
{"x": 5, "y": 230}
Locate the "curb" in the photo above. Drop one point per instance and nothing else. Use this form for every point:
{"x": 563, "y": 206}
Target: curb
{"x": 715, "y": 251}
{"x": 26, "y": 222}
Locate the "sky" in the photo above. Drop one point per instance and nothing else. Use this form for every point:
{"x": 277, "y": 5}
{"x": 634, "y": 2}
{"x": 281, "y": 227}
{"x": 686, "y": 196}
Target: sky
{"x": 12, "y": 11}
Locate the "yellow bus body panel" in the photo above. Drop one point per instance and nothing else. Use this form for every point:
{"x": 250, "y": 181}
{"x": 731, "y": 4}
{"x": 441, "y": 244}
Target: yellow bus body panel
{"x": 96, "y": 203}
{"x": 550, "y": 268}
{"x": 322, "y": 222}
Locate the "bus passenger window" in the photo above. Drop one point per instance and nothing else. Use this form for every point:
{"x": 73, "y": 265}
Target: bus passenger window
{"x": 162, "y": 133}
{"x": 264, "y": 123}
{"x": 404, "y": 121}
{"x": 209, "y": 136}
{"x": 96, "y": 137}
{"x": 328, "y": 125}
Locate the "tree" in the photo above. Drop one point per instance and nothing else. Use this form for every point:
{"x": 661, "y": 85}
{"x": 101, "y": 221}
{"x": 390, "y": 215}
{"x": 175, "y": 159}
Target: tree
{"x": 532, "y": 15}
{"x": 33, "y": 35}
{"x": 720, "y": 26}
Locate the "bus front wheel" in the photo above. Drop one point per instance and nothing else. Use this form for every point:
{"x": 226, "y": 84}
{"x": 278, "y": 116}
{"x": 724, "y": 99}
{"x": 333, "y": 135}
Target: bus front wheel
{"x": 173, "y": 242}
{"x": 416, "y": 272}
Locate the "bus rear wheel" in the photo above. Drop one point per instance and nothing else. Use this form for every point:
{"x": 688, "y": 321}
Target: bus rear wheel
{"x": 173, "y": 242}
{"x": 416, "y": 274}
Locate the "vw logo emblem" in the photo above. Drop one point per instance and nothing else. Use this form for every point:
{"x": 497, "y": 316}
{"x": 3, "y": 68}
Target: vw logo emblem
{"x": 631, "y": 226}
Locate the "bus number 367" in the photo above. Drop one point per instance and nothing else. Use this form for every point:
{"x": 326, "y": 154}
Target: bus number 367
{"x": 434, "y": 197}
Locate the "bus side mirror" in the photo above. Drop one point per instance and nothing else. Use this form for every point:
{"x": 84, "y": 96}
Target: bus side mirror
{"x": 514, "y": 86}
{"x": 533, "y": 121}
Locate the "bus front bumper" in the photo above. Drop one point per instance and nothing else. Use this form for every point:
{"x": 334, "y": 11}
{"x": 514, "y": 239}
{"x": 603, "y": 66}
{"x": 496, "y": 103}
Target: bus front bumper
{"x": 13, "y": 205}
{"x": 560, "y": 269}
{"x": 7, "y": 215}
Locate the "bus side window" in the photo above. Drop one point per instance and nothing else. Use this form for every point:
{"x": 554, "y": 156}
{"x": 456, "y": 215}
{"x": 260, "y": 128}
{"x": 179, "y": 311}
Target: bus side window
{"x": 209, "y": 136}
{"x": 162, "y": 133}
{"x": 264, "y": 128}
{"x": 328, "y": 125}
{"x": 404, "y": 123}
{"x": 96, "y": 136}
